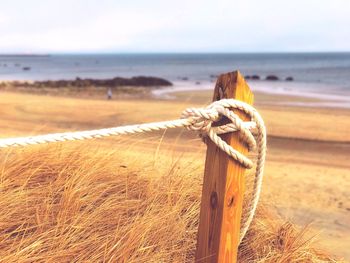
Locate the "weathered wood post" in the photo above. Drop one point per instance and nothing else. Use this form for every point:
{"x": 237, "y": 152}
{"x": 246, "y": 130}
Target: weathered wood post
{"x": 223, "y": 185}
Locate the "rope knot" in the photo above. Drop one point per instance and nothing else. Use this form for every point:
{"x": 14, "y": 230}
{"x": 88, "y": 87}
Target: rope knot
{"x": 202, "y": 119}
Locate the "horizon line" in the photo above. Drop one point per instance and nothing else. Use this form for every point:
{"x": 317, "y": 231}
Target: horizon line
{"x": 167, "y": 53}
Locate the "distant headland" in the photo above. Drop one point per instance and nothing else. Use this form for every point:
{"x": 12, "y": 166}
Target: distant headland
{"x": 138, "y": 81}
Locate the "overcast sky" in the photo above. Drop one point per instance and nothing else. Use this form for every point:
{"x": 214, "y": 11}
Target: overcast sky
{"x": 64, "y": 26}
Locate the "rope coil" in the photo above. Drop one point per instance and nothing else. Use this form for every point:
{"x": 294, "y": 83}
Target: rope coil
{"x": 195, "y": 119}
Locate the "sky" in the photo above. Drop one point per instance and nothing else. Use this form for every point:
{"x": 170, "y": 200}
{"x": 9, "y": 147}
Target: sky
{"x": 116, "y": 26}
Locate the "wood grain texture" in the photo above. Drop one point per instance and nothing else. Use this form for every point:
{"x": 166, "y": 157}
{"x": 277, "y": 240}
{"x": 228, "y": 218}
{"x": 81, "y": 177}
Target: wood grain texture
{"x": 223, "y": 184}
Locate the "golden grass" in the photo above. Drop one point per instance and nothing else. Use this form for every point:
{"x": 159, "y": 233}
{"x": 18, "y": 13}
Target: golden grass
{"x": 81, "y": 203}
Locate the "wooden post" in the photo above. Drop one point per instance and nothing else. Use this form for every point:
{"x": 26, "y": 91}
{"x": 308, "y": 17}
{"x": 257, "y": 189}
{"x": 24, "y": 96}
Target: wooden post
{"x": 223, "y": 185}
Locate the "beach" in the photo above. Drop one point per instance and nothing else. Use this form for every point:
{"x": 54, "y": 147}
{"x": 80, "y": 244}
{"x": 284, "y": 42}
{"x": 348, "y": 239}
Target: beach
{"x": 306, "y": 175}
{"x": 304, "y": 99}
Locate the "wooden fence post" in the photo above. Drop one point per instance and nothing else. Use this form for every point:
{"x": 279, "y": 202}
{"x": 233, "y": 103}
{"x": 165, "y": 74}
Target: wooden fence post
{"x": 223, "y": 184}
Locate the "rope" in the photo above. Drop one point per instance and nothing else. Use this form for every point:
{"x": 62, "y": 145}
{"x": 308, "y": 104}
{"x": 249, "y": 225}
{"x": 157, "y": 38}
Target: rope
{"x": 196, "y": 119}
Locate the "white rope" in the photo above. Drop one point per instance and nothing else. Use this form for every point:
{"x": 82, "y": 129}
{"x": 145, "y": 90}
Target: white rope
{"x": 197, "y": 119}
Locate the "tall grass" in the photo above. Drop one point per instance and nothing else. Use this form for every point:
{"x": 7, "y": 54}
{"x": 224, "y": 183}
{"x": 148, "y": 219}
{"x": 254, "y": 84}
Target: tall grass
{"x": 78, "y": 203}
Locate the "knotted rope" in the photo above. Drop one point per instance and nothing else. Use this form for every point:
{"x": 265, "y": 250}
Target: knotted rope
{"x": 196, "y": 119}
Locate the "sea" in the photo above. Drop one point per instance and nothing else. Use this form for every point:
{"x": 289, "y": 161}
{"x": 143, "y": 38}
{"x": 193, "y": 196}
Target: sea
{"x": 323, "y": 76}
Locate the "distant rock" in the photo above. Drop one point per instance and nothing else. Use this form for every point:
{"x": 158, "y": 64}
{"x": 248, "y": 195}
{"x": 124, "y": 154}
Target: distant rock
{"x": 252, "y": 77}
{"x": 272, "y": 77}
{"x": 184, "y": 78}
{"x": 149, "y": 81}
{"x": 198, "y": 82}
{"x": 26, "y": 68}
{"x": 289, "y": 78}
{"x": 213, "y": 76}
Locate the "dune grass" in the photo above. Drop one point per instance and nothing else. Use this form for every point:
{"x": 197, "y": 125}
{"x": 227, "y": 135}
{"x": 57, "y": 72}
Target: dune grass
{"x": 82, "y": 203}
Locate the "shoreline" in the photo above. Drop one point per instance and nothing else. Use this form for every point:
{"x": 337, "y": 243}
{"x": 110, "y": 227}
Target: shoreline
{"x": 281, "y": 89}
{"x": 313, "y": 95}
{"x": 304, "y": 94}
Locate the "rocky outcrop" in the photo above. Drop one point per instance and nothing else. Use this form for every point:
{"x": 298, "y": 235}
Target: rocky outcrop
{"x": 140, "y": 81}
{"x": 268, "y": 77}
{"x": 272, "y": 77}
{"x": 253, "y": 77}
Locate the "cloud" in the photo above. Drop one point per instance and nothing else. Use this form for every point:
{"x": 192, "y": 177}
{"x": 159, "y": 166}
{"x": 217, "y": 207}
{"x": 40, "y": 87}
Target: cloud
{"x": 174, "y": 26}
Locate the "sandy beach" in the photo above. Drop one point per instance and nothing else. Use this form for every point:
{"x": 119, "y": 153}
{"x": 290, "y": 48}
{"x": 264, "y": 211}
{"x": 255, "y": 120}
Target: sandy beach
{"x": 308, "y": 163}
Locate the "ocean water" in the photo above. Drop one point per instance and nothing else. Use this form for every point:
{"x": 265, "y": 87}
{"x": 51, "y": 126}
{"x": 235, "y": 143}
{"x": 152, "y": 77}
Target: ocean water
{"x": 315, "y": 74}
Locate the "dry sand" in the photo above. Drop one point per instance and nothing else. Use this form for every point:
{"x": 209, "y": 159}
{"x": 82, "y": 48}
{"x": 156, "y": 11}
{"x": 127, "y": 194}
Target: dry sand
{"x": 308, "y": 164}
